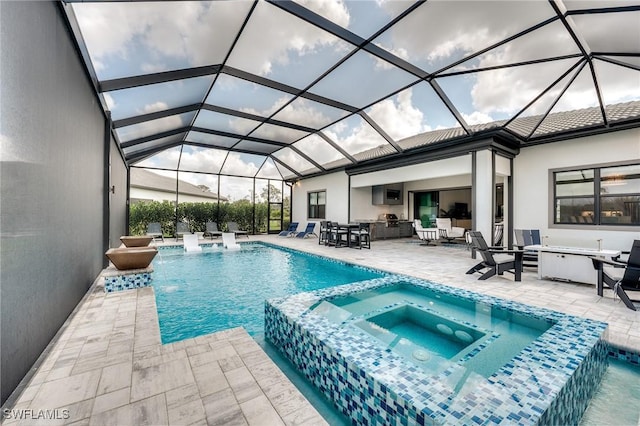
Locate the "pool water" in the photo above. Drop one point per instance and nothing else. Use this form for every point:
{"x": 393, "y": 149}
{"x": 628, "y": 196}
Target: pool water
{"x": 217, "y": 289}
{"x": 442, "y": 327}
{"x": 214, "y": 290}
{"x": 617, "y": 400}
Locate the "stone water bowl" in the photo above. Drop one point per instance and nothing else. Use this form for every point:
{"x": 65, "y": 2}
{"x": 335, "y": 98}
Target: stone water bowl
{"x": 136, "y": 240}
{"x": 125, "y": 258}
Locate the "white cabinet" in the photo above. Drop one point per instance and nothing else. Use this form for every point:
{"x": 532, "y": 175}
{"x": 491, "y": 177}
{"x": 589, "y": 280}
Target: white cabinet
{"x": 568, "y": 267}
{"x": 387, "y": 195}
{"x": 569, "y": 263}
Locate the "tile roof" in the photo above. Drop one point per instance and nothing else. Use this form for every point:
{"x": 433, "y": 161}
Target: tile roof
{"x": 554, "y": 123}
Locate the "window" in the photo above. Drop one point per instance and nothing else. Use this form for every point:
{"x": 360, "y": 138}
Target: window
{"x": 316, "y": 204}
{"x": 598, "y": 196}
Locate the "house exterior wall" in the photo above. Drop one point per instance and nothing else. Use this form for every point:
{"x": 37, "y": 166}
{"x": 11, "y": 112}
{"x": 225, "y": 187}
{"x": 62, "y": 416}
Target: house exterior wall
{"x": 533, "y": 192}
{"x": 434, "y": 169}
{"x": 337, "y": 187}
{"x": 51, "y": 183}
{"x": 441, "y": 174}
{"x": 150, "y": 194}
{"x": 362, "y": 209}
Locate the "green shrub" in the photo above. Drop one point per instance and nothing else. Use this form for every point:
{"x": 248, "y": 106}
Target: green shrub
{"x": 144, "y": 212}
{"x": 197, "y": 215}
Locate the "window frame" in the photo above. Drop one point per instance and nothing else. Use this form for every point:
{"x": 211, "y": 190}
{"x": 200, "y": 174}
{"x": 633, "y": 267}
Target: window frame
{"x": 321, "y": 212}
{"x": 597, "y": 197}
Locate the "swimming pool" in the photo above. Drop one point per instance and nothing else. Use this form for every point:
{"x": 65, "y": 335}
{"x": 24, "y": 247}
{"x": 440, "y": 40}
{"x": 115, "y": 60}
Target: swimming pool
{"x": 217, "y": 289}
{"x": 546, "y": 378}
{"x": 184, "y": 307}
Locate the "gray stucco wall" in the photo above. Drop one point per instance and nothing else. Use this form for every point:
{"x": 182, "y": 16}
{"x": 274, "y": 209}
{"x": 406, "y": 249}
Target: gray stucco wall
{"x": 51, "y": 183}
{"x": 118, "y": 200}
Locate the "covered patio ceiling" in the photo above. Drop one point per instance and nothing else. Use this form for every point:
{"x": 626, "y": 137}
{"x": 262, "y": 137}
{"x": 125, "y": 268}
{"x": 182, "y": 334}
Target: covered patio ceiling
{"x": 287, "y": 89}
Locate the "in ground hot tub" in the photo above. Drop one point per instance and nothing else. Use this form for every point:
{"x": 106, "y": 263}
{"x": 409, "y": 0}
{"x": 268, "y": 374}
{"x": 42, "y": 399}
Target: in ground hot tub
{"x": 398, "y": 351}
{"x": 422, "y": 336}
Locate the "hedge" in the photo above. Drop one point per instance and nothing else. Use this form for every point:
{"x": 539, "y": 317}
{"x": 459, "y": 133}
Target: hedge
{"x": 197, "y": 215}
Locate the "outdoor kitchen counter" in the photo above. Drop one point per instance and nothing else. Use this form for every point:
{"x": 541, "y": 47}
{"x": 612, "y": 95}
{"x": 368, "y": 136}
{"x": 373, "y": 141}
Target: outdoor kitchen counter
{"x": 380, "y": 230}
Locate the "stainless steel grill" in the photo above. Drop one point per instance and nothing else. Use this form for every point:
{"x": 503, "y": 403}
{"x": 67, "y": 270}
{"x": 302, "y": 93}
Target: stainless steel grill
{"x": 390, "y": 219}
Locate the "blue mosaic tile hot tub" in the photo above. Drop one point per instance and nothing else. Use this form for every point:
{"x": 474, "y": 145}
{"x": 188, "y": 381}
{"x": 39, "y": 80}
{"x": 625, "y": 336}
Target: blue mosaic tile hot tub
{"x": 548, "y": 381}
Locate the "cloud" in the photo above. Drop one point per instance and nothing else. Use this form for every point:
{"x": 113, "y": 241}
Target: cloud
{"x": 354, "y": 135}
{"x": 149, "y": 68}
{"x": 120, "y": 23}
{"x": 617, "y": 83}
{"x": 507, "y": 90}
{"x": 303, "y": 111}
{"x": 317, "y": 148}
{"x": 269, "y": 170}
{"x": 273, "y": 38}
{"x": 198, "y": 33}
{"x": 167, "y": 158}
{"x": 202, "y": 159}
{"x": 293, "y": 160}
{"x": 236, "y": 164}
{"x": 430, "y": 34}
{"x": 335, "y": 11}
{"x": 270, "y": 110}
{"x": 154, "y": 107}
{"x": 477, "y": 117}
{"x": 399, "y": 118}
{"x": 150, "y": 127}
{"x": 425, "y": 36}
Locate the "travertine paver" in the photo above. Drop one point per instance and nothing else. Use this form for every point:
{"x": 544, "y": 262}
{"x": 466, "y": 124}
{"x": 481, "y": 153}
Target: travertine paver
{"x": 108, "y": 366}
{"x": 448, "y": 264}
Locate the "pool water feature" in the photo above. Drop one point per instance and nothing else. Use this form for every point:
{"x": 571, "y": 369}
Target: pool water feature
{"x": 550, "y": 363}
{"x": 217, "y": 289}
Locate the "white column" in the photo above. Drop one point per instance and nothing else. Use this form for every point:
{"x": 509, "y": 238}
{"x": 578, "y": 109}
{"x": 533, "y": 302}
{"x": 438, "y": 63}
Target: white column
{"x": 483, "y": 190}
{"x": 503, "y": 172}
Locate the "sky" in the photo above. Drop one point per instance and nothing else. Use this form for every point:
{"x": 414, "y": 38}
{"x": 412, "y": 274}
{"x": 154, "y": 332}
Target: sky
{"x": 126, "y": 39}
